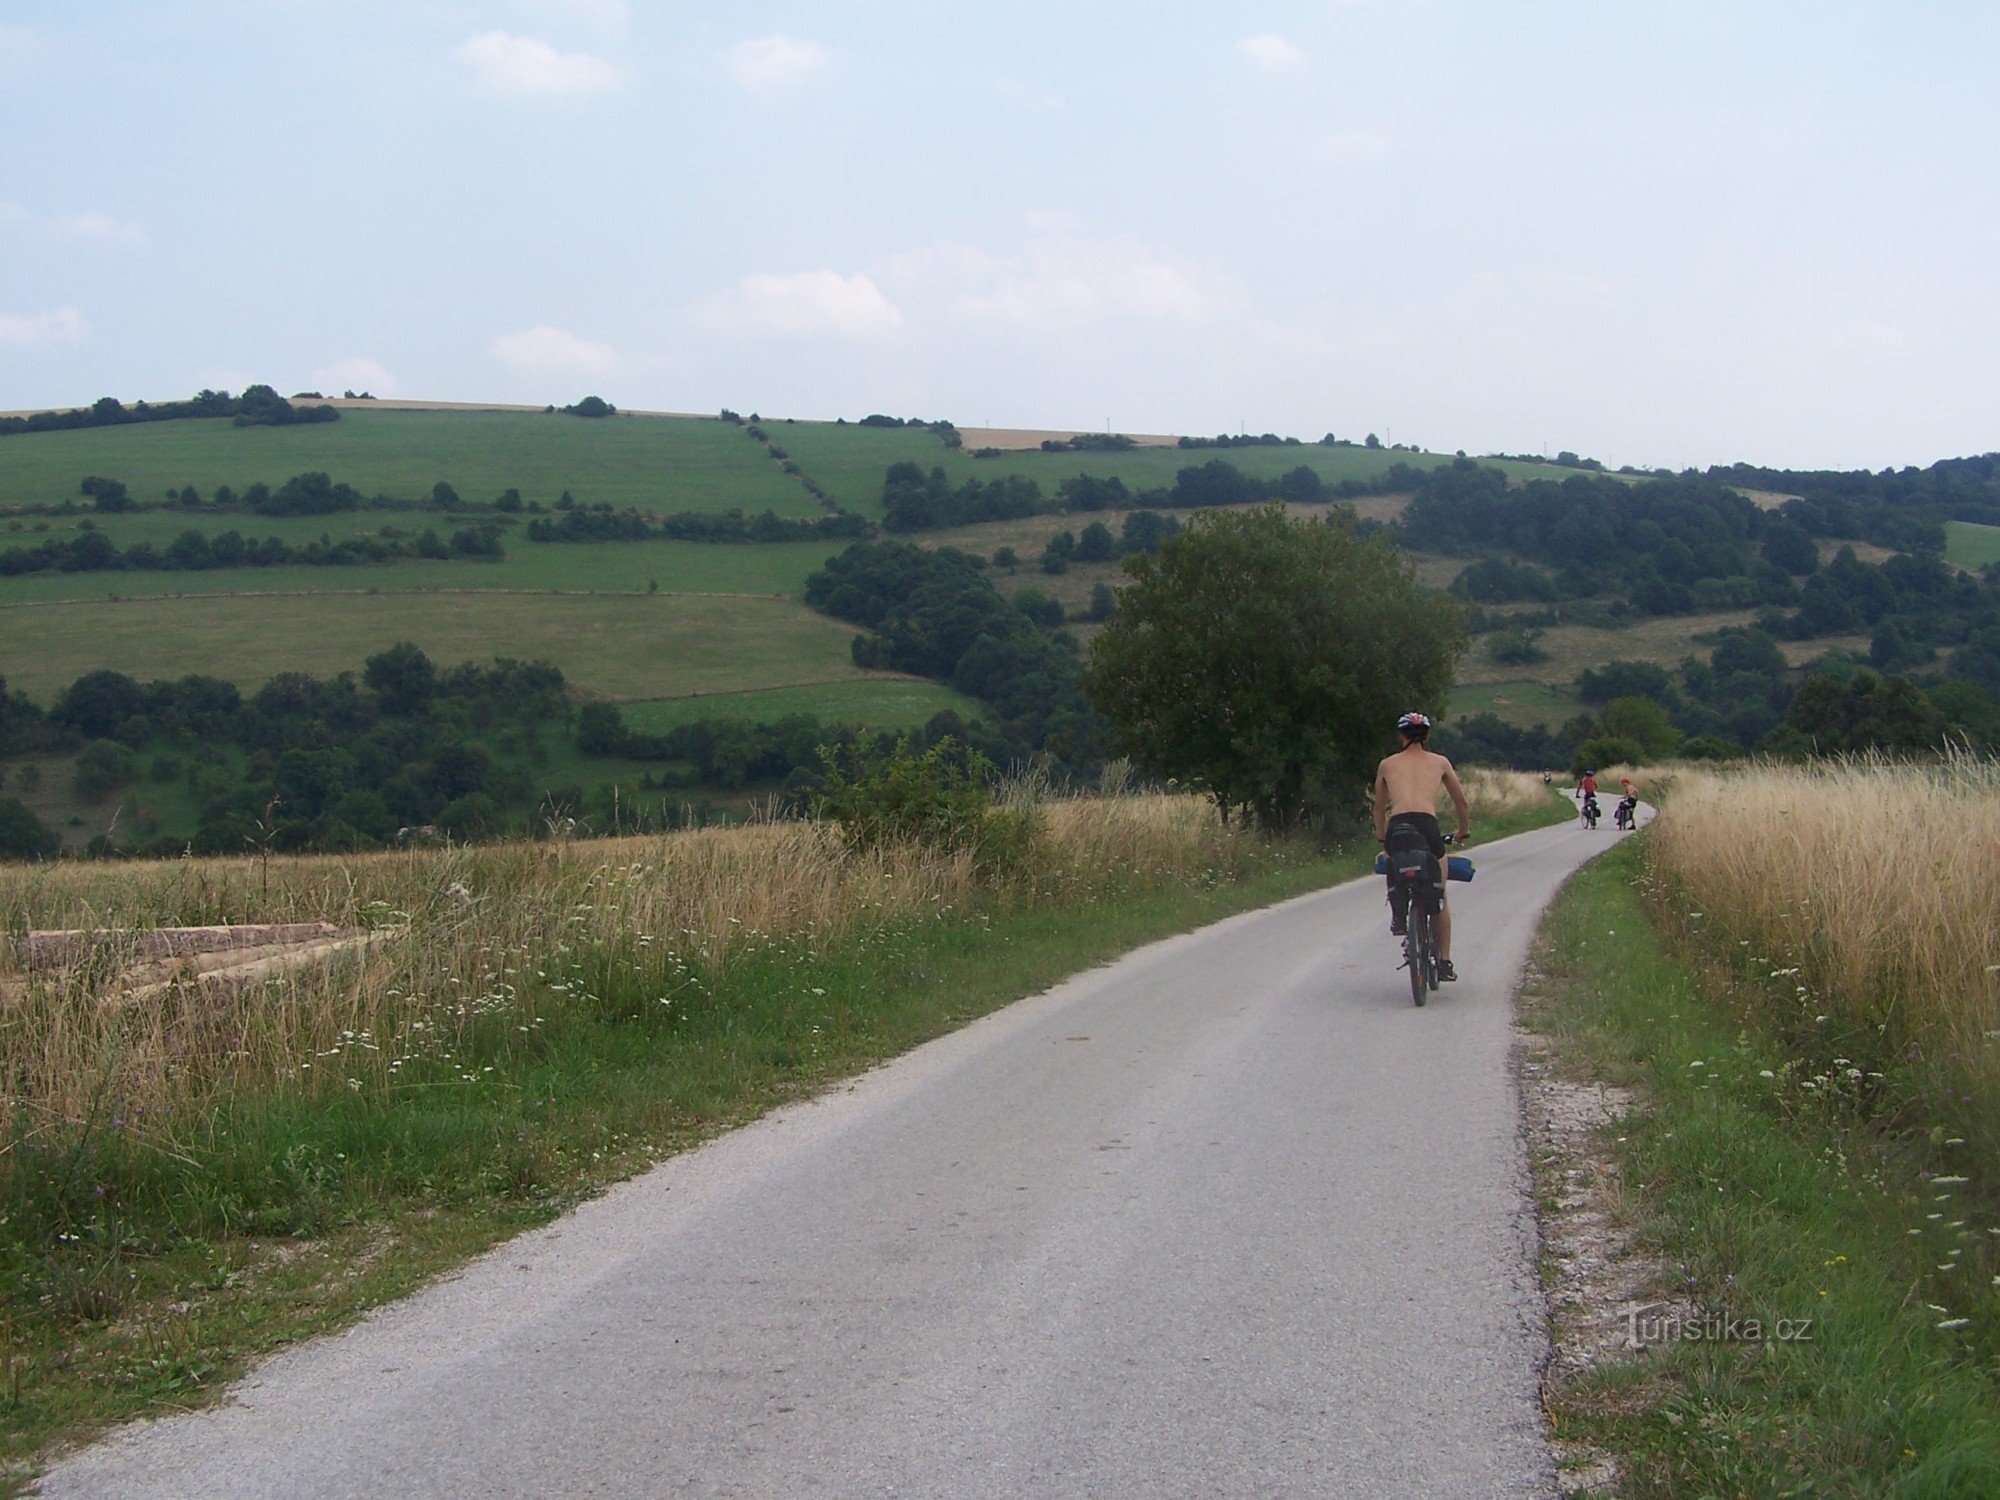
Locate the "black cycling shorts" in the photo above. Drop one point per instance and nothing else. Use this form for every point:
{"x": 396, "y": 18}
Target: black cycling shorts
{"x": 1427, "y": 825}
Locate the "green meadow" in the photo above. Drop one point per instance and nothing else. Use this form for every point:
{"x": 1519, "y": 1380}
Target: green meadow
{"x": 616, "y": 646}
{"x": 1524, "y": 704}
{"x": 891, "y": 702}
{"x": 850, "y": 460}
{"x": 1970, "y": 545}
{"x": 653, "y": 463}
{"x": 599, "y": 568}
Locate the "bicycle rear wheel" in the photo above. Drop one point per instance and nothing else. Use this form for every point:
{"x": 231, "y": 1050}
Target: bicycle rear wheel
{"x": 1417, "y": 952}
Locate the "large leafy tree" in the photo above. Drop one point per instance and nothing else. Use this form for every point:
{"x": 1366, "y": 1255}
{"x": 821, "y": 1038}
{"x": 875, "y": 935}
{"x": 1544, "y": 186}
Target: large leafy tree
{"x": 1265, "y": 659}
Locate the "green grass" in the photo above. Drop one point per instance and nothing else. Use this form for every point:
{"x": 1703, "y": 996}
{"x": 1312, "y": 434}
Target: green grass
{"x": 1970, "y": 545}
{"x": 1764, "y": 1198}
{"x": 613, "y": 646}
{"x": 882, "y": 702}
{"x": 654, "y": 463}
{"x": 851, "y": 460}
{"x": 1520, "y": 703}
{"x": 608, "y": 567}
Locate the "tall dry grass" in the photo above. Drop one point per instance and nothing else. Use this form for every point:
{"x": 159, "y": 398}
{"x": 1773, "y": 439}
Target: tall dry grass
{"x": 1866, "y": 891}
{"x": 1498, "y": 794}
{"x": 486, "y": 942}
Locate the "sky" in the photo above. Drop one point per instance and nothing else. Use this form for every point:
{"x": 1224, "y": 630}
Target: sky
{"x": 1655, "y": 234}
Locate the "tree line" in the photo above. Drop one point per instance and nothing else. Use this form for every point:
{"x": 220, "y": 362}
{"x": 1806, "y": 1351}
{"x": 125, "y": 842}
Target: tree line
{"x": 258, "y": 406}
{"x": 916, "y": 500}
{"x": 94, "y": 552}
{"x": 602, "y": 524}
{"x": 1743, "y": 697}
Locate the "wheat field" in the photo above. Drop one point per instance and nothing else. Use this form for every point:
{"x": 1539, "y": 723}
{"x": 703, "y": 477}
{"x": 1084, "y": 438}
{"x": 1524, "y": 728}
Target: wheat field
{"x": 1865, "y": 889}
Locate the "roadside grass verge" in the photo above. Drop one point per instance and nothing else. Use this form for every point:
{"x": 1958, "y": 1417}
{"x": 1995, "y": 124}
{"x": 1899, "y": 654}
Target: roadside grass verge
{"x": 191, "y": 1181}
{"x": 1768, "y": 1191}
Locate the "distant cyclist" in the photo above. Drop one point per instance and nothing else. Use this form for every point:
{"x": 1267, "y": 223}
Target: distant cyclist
{"x": 1407, "y": 787}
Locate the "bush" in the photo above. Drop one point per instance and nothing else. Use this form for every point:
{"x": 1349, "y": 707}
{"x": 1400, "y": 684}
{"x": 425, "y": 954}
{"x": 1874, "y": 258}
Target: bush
{"x": 938, "y": 800}
{"x": 1516, "y": 647}
{"x": 1711, "y": 747}
{"x": 1606, "y": 750}
{"x": 104, "y": 766}
{"x": 22, "y": 834}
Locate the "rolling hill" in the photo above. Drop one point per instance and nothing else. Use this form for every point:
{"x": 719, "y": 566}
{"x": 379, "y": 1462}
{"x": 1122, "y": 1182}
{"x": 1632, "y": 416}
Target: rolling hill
{"x": 162, "y": 549}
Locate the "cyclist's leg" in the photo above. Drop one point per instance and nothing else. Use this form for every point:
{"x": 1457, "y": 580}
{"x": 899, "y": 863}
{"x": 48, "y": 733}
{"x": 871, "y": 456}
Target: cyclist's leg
{"x": 1442, "y": 926}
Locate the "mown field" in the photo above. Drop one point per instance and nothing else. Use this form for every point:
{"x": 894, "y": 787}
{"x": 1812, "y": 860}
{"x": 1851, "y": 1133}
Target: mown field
{"x": 616, "y": 646}
{"x": 1971, "y": 546}
{"x": 850, "y": 460}
{"x": 872, "y": 698}
{"x": 654, "y": 463}
{"x": 1524, "y": 703}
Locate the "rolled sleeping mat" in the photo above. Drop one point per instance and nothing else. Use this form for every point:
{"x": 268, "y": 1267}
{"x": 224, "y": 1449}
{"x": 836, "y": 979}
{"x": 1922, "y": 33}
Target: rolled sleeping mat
{"x": 1457, "y": 867}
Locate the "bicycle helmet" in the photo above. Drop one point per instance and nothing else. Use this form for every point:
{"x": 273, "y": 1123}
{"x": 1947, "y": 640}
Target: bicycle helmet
{"x": 1414, "y": 724}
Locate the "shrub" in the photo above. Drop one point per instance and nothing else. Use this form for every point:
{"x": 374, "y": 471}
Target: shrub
{"x": 938, "y": 800}
{"x": 104, "y": 766}
{"x": 22, "y": 834}
{"x": 1606, "y": 750}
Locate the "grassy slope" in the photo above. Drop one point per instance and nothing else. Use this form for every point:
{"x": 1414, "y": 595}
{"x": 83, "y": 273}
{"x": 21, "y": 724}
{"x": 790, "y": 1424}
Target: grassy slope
{"x": 894, "y": 703}
{"x": 1523, "y": 702}
{"x": 612, "y": 646}
{"x": 672, "y": 463}
{"x": 1971, "y": 546}
{"x": 850, "y": 460}
{"x": 1762, "y": 1201}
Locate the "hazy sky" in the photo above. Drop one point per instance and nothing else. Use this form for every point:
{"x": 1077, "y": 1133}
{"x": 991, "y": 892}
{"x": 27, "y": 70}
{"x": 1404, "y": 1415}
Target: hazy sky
{"x": 1662, "y": 233}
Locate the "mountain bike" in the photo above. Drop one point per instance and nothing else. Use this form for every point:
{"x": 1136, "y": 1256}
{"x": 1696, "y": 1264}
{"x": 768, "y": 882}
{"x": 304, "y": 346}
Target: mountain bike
{"x": 1424, "y": 876}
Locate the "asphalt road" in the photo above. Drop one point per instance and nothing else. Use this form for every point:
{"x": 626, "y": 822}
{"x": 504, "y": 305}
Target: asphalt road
{"x": 1227, "y": 1217}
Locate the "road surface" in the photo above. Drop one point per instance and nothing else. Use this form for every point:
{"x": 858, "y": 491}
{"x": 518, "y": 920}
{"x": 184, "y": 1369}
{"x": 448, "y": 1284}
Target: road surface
{"x": 1227, "y": 1217}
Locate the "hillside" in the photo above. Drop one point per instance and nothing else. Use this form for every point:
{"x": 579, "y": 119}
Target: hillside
{"x": 661, "y": 565}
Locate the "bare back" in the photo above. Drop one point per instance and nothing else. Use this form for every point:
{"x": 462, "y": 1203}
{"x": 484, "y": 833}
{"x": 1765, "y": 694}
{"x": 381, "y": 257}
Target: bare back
{"x": 1411, "y": 781}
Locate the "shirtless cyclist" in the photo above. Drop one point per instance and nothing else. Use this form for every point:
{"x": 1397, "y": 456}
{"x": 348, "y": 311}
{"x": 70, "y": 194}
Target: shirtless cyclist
{"x": 1407, "y": 786}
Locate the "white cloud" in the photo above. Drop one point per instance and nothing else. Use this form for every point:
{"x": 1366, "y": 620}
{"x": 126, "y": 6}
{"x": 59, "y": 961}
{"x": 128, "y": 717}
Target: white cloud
{"x": 543, "y": 350}
{"x": 769, "y": 64}
{"x": 1071, "y": 280}
{"x": 1270, "y": 51}
{"x": 354, "y": 374}
{"x": 72, "y": 229}
{"x": 609, "y": 16}
{"x": 807, "y": 304}
{"x": 42, "y": 330}
{"x": 521, "y": 67}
